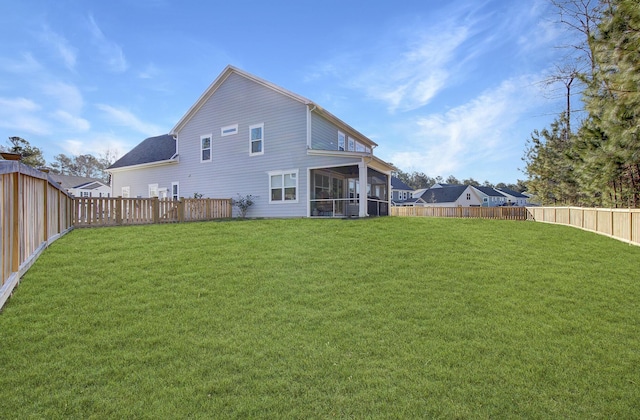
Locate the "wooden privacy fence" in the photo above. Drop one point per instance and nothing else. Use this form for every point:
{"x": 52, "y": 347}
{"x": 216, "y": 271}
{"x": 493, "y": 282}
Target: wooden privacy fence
{"x": 118, "y": 211}
{"x": 35, "y": 211}
{"x": 621, "y": 224}
{"x": 502, "y": 213}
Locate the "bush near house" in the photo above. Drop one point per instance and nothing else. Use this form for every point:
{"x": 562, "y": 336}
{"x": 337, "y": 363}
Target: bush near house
{"x": 387, "y": 317}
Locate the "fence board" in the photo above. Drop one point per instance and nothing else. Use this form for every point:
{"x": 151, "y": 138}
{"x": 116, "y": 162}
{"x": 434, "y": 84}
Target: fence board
{"x": 118, "y": 211}
{"x": 499, "y": 213}
{"x": 621, "y": 224}
{"x": 35, "y": 212}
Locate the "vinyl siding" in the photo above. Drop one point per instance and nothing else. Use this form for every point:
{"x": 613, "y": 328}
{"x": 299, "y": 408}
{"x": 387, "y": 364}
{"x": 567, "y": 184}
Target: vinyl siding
{"x": 232, "y": 170}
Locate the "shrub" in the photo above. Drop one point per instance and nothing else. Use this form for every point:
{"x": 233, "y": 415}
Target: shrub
{"x": 242, "y": 203}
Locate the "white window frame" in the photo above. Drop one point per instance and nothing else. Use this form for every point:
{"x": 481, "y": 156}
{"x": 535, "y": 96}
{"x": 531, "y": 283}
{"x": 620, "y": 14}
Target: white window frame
{"x": 468, "y": 196}
{"x": 126, "y": 192}
{"x": 282, "y": 186}
{"x": 175, "y": 196}
{"x": 360, "y": 147}
{"x": 153, "y": 190}
{"x": 251, "y": 140}
{"x": 352, "y": 144}
{"x": 210, "y": 148}
{"x": 342, "y": 141}
{"x": 229, "y": 130}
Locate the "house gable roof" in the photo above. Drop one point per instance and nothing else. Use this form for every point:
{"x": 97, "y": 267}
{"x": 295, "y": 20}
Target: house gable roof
{"x": 152, "y": 149}
{"x": 398, "y": 184}
{"x": 491, "y": 192}
{"x": 70, "y": 181}
{"x": 443, "y": 194}
{"x": 512, "y": 193}
{"x": 234, "y": 70}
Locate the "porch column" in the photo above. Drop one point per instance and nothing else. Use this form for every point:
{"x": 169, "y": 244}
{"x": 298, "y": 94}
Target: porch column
{"x": 362, "y": 169}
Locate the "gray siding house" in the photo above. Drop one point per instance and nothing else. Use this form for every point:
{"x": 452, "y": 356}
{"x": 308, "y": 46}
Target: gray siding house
{"x": 245, "y": 135}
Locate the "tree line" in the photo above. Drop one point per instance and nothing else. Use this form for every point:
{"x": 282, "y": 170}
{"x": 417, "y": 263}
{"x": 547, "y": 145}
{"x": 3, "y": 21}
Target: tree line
{"x": 86, "y": 165}
{"x": 594, "y": 161}
{"x": 420, "y": 180}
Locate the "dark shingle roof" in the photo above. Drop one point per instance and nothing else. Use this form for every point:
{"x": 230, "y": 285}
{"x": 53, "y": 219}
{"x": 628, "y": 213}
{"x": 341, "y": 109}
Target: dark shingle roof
{"x": 443, "y": 195}
{"x": 512, "y": 193}
{"x": 489, "y": 191}
{"x": 153, "y": 149}
{"x": 71, "y": 181}
{"x": 397, "y": 184}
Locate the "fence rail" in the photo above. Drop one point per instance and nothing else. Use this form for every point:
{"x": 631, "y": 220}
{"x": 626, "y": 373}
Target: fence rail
{"x": 35, "y": 211}
{"x": 621, "y": 224}
{"x": 117, "y": 211}
{"x": 502, "y": 213}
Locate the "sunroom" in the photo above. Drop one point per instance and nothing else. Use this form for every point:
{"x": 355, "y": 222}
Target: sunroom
{"x": 336, "y": 192}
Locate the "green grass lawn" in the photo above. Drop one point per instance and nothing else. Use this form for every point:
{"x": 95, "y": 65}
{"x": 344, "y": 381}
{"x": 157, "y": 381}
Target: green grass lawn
{"x": 389, "y": 318}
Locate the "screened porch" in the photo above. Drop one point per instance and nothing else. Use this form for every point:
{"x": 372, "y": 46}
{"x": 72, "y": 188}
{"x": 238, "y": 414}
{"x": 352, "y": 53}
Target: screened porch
{"x": 335, "y": 192}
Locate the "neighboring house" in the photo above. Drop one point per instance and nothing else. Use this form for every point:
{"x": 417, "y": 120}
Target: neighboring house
{"x": 245, "y": 135}
{"x": 79, "y": 186}
{"x": 402, "y": 194}
{"x": 451, "y": 196}
{"x": 514, "y": 198}
{"x": 491, "y": 197}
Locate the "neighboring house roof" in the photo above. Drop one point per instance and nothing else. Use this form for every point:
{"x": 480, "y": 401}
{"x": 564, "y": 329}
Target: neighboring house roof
{"x": 512, "y": 193}
{"x": 491, "y": 192}
{"x": 152, "y": 149}
{"x": 69, "y": 181}
{"x": 397, "y": 184}
{"x": 447, "y": 194}
{"x": 231, "y": 70}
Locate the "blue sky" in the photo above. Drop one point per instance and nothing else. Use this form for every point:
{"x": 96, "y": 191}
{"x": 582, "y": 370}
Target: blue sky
{"x": 444, "y": 87}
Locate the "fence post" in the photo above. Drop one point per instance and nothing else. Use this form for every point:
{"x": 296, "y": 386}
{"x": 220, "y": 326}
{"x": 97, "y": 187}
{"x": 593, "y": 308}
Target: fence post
{"x": 155, "y": 209}
{"x": 118, "y": 210}
{"x": 181, "y": 210}
{"x": 45, "y": 210}
{"x": 15, "y": 243}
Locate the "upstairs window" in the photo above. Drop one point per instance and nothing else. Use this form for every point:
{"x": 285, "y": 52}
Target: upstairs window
{"x": 468, "y": 196}
{"x": 256, "y": 139}
{"x": 341, "y": 141}
{"x": 205, "y": 148}
{"x": 352, "y": 145}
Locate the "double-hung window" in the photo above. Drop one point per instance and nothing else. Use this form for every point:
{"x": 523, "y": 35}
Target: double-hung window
{"x": 283, "y": 186}
{"x": 341, "y": 142}
{"x": 256, "y": 139}
{"x": 205, "y": 148}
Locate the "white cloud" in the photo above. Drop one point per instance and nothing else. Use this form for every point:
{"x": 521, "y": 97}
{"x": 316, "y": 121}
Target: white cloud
{"x": 126, "y": 118}
{"x": 478, "y": 132}
{"x": 25, "y": 64}
{"x": 68, "y": 96}
{"x": 61, "y": 46}
{"x": 150, "y": 72}
{"x": 419, "y": 69}
{"x": 97, "y": 144}
{"x": 71, "y": 121}
{"x": 109, "y": 51}
{"x": 21, "y": 115}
